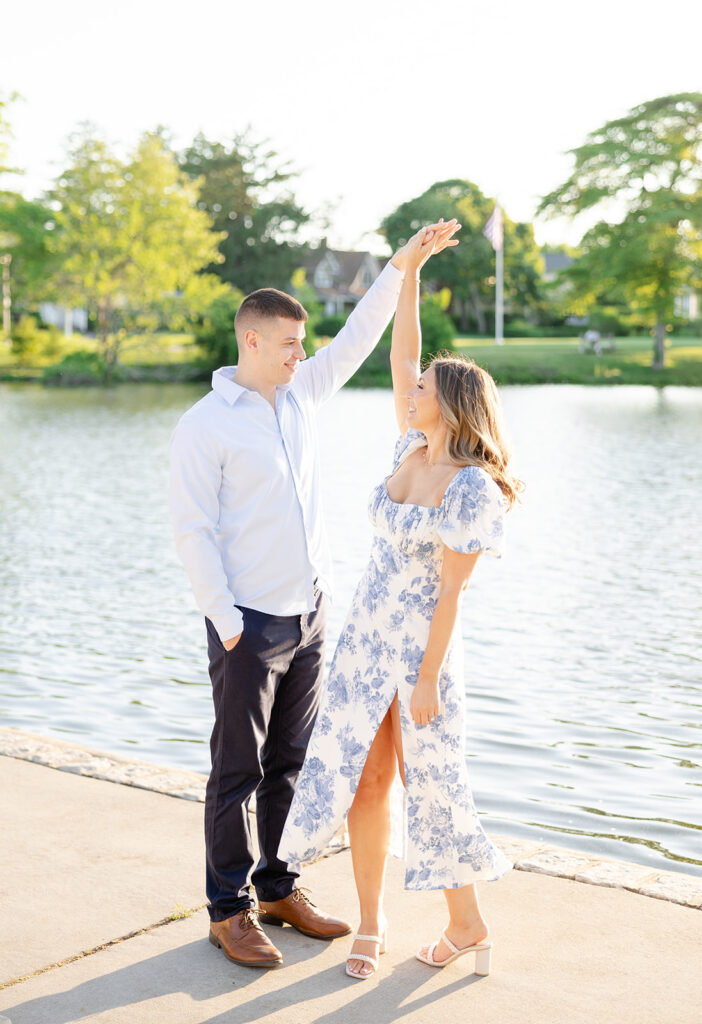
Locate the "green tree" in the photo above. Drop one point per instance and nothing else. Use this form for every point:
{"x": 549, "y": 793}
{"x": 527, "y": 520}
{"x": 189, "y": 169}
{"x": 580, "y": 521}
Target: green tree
{"x": 130, "y": 240}
{"x": 650, "y": 163}
{"x": 524, "y": 268}
{"x": 25, "y": 233}
{"x": 245, "y": 188}
{"x": 468, "y": 271}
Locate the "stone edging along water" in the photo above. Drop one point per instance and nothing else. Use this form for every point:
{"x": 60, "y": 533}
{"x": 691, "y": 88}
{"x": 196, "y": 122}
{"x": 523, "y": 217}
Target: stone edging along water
{"x": 526, "y": 854}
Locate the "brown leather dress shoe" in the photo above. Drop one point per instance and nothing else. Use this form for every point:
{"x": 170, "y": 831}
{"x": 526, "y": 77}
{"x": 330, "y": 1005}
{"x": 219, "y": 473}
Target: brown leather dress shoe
{"x": 243, "y": 941}
{"x": 298, "y": 910}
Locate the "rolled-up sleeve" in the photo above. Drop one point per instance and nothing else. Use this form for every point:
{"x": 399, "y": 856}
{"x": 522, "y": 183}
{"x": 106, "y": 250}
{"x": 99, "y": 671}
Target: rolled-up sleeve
{"x": 195, "y": 481}
{"x": 321, "y": 376}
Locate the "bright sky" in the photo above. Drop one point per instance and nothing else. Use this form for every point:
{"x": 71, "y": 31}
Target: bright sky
{"x": 372, "y": 101}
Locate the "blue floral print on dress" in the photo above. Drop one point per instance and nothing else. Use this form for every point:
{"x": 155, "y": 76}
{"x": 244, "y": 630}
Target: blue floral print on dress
{"x": 379, "y": 654}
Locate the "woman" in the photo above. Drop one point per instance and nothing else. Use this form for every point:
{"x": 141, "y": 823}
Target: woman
{"x": 395, "y": 690}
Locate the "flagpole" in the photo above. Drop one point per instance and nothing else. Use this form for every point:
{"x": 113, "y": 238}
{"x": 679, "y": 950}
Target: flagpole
{"x": 495, "y": 233}
{"x": 499, "y": 298}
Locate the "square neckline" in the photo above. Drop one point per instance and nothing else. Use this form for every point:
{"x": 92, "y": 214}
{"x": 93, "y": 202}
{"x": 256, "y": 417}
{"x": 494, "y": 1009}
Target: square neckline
{"x": 407, "y": 452}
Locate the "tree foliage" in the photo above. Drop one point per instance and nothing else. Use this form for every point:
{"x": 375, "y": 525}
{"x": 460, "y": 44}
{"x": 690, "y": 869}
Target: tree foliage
{"x": 22, "y": 228}
{"x": 649, "y": 162}
{"x": 245, "y": 189}
{"x": 468, "y": 271}
{"x": 25, "y": 234}
{"x": 129, "y": 239}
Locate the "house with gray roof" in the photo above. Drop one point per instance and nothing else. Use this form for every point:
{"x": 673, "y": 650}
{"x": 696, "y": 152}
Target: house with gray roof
{"x": 341, "y": 278}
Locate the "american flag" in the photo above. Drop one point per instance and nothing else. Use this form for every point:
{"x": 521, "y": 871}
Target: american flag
{"x": 493, "y": 230}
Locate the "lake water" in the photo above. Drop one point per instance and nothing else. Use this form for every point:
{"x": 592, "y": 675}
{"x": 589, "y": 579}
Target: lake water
{"x": 583, "y": 663}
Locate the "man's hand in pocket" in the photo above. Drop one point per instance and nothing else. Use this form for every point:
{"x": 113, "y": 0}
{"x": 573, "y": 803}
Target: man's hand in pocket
{"x": 229, "y": 645}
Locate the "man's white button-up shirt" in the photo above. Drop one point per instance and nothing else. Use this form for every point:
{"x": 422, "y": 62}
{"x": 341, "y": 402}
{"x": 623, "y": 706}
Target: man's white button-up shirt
{"x": 245, "y": 494}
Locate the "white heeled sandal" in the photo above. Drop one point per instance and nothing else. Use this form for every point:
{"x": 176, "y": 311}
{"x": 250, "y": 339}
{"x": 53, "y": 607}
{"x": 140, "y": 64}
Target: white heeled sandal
{"x": 482, "y": 952}
{"x": 372, "y": 960}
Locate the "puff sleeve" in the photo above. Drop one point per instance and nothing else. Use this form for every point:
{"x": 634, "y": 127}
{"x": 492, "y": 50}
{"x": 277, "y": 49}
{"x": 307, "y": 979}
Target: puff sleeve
{"x": 403, "y": 444}
{"x": 473, "y": 517}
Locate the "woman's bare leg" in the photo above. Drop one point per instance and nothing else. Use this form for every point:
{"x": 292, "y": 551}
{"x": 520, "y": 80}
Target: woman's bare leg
{"x": 466, "y": 924}
{"x": 369, "y": 831}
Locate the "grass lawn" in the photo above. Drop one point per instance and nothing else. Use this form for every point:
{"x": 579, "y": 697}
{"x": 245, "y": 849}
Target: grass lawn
{"x": 519, "y": 361}
{"x": 557, "y": 361}
{"x": 159, "y": 350}
{"x": 539, "y": 361}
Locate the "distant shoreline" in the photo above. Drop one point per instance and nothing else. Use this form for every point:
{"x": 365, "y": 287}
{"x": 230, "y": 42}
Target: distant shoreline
{"x": 518, "y": 361}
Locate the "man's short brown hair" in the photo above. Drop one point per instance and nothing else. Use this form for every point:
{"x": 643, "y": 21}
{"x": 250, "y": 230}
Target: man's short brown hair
{"x": 267, "y": 304}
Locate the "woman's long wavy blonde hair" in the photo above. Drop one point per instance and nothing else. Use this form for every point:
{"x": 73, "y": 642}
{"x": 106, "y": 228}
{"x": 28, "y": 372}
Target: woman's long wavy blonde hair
{"x": 471, "y": 409}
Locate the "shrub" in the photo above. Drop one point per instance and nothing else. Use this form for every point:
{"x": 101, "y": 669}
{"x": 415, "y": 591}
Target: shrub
{"x": 329, "y": 326}
{"x": 78, "y": 368}
{"x": 438, "y": 330}
{"x": 688, "y": 328}
{"x": 216, "y": 331}
{"x": 517, "y": 328}
{"x": 606, "y": 321}
{"x": 438, "y": 333}
{"x": 30, "y": 341}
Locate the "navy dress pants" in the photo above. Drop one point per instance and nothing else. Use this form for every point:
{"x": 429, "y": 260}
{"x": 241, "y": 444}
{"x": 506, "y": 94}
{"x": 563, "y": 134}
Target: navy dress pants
{"x": 266, "y": 694}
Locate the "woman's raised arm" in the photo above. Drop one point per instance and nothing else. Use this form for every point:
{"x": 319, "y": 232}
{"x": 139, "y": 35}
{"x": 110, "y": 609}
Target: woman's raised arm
{"x": 406, "y": 346}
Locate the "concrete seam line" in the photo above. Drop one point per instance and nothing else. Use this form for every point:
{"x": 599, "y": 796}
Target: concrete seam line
{"x": 98, "y": 949}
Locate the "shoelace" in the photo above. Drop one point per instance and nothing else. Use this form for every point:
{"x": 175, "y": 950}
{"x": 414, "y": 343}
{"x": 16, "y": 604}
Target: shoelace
{"x": 249, "y": 919}
{"x": 300, "y": 896}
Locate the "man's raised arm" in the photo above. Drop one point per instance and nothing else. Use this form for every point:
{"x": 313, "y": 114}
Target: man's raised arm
{"x": 328, "y": 370}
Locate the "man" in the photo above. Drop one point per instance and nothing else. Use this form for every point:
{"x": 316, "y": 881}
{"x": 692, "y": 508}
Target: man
{"x": 245, "y": 502}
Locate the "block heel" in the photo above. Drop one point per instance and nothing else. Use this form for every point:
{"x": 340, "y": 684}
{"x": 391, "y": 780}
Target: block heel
{"x": 482, "y": 952}
{"x": 482, "y": 961}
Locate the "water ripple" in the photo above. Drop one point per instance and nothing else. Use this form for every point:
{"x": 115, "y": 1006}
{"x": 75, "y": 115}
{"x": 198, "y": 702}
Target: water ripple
{"x": 582, "y": 646}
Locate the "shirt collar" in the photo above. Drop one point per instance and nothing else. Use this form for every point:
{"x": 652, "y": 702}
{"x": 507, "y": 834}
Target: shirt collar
{"x": 230, "y": 391}
{"x": 223, "y": 384}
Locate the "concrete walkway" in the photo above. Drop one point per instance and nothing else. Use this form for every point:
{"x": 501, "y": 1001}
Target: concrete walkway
{"x": 96, "y": 875}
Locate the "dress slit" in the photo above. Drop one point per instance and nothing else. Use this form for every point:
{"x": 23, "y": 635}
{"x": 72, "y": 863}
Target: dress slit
{"x": 434, "y": 822}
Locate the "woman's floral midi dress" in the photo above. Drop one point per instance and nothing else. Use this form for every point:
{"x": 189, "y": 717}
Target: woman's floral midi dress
{"x": 379, "y": 653}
